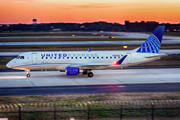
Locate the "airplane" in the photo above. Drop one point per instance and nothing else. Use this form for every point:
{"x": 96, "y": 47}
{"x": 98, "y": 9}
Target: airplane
{"x": 83, "y": 62}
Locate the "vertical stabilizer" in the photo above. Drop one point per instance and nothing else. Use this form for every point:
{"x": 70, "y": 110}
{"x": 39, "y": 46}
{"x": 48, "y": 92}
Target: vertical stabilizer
{"x": 89, "y": 50}
{"x": 153, "y": 43}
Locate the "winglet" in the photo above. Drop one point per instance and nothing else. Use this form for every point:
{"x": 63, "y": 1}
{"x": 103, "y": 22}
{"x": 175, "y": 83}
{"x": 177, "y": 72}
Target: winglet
{"x": 121, "y": 60}
{"x": 153, "y": 43}
{"x": 89, "y": 50}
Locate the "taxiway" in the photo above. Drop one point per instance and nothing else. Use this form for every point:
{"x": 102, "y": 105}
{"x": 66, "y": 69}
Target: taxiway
{"x": 101, "y": 77}
{"x": 104, "y": 81}
{"x": 83, "y": 43}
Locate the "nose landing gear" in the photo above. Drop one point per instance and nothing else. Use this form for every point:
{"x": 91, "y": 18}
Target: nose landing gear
{"x": 28, "y": 73}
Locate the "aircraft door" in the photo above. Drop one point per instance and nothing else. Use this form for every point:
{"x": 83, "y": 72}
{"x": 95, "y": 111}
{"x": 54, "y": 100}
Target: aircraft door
{"x": 129, "y": 58}
{"x": 34, "y": 58}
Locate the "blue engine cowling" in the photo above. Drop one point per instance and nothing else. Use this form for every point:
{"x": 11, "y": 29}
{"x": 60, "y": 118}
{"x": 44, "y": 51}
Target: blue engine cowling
{"x": 72, "y": 70}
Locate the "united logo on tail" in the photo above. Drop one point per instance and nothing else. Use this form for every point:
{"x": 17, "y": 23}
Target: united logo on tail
{"x": 153, "y": 43}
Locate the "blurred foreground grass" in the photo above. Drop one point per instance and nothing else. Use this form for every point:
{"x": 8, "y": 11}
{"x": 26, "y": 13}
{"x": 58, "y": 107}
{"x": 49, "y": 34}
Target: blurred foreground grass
{"x": 142, "y": 96}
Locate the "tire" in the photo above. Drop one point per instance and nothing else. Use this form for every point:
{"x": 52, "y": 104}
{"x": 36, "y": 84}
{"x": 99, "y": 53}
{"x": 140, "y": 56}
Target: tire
{"x": 90, "y": 74}
{"x": 28, "y": 75}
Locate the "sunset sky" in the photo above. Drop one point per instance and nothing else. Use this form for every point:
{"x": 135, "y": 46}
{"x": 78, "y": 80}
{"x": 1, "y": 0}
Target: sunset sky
{"x": 79, "y": 11}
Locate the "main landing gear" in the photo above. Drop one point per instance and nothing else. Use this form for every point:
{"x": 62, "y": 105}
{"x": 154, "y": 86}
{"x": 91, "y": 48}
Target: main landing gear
{"x": 88, "y": 73}
{"x": 28, "y": 73}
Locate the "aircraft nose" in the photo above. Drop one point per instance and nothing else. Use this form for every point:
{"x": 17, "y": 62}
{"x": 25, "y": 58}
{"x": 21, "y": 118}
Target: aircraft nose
{"x": 9, "y": 64}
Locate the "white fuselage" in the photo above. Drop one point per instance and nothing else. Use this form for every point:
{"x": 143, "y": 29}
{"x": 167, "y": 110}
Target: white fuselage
{"x": 84, "y": 60}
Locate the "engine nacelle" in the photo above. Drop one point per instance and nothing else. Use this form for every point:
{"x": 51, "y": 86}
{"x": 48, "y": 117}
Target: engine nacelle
{"x": 72, "y": 70}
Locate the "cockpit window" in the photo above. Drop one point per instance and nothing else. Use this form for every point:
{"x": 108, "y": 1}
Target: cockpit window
{"x": 20, "y": 57}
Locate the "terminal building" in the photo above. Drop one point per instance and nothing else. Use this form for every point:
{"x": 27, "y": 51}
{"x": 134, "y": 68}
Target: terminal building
{"x": 149, "y": 26}
{"x": 141, "y": 26}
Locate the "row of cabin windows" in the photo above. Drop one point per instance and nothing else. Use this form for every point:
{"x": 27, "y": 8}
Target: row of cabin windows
{"x": 80, "y": 57}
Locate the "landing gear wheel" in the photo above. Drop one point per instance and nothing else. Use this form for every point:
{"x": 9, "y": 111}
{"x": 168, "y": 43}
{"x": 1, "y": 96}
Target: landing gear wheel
{"x": 90, "y": 74}
{"x": 28, "y": 75}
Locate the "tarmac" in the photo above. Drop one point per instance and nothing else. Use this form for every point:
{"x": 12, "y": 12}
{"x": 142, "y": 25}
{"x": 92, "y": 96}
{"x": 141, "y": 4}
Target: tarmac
{"x": 101, "y": 77}
{"x": 84, "y": 43}
{"x": 120, "y": 35}
{"x": 104, "y": 81}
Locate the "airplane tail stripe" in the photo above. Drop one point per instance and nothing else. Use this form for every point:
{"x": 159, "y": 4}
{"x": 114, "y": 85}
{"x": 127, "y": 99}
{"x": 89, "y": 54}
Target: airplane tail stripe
{"x": 121, "y": 60}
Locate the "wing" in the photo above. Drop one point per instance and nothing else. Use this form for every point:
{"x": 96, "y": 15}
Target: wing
{"x": 90, "y": 66}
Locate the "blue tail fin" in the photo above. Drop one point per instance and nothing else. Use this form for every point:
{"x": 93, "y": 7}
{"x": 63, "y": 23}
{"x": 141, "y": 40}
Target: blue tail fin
{"x": 89, "y": 50}
{"x": 153, "y": 43}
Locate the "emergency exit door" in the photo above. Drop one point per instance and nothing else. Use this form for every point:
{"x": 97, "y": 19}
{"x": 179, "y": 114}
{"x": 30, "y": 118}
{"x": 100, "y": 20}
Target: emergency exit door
{"x": 34, "y": 58}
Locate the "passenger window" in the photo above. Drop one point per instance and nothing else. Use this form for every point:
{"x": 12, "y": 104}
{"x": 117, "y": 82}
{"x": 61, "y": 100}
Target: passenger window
{"x": 80, "y": 57}
{"x": 115, "y": 57}
{"x": 76, "y": 57}
{"x": 97, "y": 57}
{"x": 106, "y": 57}
{"x": 67, "y": 57}
{"x": 59, "y": 57}
{"x": 42, "y": 57}
{"x": 46, "y": 57}
{"x": 85, "y": 57}
{"x": 102, "y": 57}
{"x": 89, "y": 57}
{"x": 71, "y": 57}
{"x": 54, "y": 57}
{"x": 93, "y": 57}
{"x": 111, "y": 57}
{"x": 50, "y": 57}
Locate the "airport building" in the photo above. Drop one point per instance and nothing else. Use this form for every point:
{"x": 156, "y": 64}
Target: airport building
{"x": 142, "y": 26}
{"x": 149, "y": 26}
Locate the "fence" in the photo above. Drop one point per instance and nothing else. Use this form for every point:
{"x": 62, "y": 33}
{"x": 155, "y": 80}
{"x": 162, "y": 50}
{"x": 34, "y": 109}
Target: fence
{"x": 101, "y": 110}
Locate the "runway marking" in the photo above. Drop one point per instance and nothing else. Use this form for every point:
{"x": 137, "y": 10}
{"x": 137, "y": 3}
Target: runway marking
{"x": 76, "y": 82}
{"x": 121, "y": 86}
{"x": 31, "y": 82}
{"x": 153, "y": 76}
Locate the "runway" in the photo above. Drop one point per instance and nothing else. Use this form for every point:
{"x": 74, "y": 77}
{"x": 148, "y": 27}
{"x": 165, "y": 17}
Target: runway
{"x": 90, "y": 89}
{"x": 129, "y": 35}
{"x": 120, "y": 35}
{"x": 130, "y": 80}
{"x": 83, "y": 43}
{"x": 101, "y": 77}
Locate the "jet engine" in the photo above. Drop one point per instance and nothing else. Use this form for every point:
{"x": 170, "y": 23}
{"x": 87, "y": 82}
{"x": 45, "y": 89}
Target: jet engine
{"x": 72, "y": 70}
